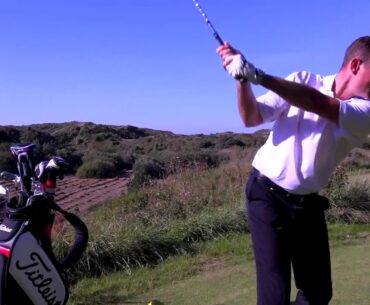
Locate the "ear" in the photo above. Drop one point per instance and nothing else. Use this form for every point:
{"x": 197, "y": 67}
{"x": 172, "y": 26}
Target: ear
{"x": 355, "y": 65}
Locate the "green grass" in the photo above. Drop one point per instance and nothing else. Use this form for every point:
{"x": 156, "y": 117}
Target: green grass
{"x": 222, "y": 272}
{"x": 119, "y": 288}
{"x": 351, "y": 274}
{"x": 234, "y": 285}
{"x": 342, "y": 234}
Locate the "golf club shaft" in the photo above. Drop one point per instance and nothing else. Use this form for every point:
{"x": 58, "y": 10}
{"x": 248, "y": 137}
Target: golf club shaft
{"x": 215, "y": 34}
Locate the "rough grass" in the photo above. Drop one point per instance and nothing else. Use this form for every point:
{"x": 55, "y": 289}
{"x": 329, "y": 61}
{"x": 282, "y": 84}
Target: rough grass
{"x": 179, "y": 196}
{"x": 167, "y": 217}
{"x": 163, "y": 218}
{"x": 351, "y": 203}
{"x": 152, "y": 245}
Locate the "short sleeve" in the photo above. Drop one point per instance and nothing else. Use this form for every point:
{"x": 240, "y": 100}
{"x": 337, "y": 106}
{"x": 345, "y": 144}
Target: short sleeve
{"x": 354, "y": 119}
{"x": 272, "y": 105}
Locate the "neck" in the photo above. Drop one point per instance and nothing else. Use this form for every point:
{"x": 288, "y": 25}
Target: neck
{"x": 341, "y": 87}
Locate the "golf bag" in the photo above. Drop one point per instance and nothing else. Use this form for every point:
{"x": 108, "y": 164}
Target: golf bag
{"x": 30, "y": 274}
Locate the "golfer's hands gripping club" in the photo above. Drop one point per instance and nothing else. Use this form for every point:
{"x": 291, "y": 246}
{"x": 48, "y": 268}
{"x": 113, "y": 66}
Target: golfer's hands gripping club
{"x": 237, "y": 66}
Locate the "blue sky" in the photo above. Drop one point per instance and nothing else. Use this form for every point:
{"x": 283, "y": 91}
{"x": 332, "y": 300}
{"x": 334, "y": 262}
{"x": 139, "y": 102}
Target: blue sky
{"x": 152, "y": 63}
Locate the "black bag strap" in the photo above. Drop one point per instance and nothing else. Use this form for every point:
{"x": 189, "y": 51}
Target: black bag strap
{"x": 81, "y": 234}
{"x": 81, "y": 237}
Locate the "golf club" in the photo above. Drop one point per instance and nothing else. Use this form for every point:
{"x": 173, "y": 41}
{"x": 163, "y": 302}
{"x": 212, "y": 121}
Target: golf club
{"x": 4, "y": 191}
{"x": 215, "y": 34}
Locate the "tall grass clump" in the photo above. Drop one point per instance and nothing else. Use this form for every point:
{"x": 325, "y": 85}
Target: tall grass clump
{"x": 103, "y": 164}
{"x": 350, "y": 202}
{"x": 161, "y": 164}
{"x": 97, "y": 169}
{"x": 145, "y": 170}
{"x": 184, "y": 194}
{"x": 337, "y": 184}
{"x": 148, "y": 245}
{"x": 163, "y": 218}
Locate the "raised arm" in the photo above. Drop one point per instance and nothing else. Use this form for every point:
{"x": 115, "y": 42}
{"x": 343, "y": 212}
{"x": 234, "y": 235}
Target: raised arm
{"x": 303, "y": 96}
{"x": 247, "y": 103}
{"x": 299, "y": 95}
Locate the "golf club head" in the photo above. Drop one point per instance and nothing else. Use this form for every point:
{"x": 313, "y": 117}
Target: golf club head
{"x": 9, "y": 176}
{"x": 57, "y": 163}
{"x": 4, "y": 191}
{"x": 23, "y": 150}
{"x": 40, "y": 169}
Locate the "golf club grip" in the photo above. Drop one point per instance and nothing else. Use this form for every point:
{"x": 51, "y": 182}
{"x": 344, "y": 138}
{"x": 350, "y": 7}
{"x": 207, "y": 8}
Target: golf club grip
{"x": 218, "y": 38}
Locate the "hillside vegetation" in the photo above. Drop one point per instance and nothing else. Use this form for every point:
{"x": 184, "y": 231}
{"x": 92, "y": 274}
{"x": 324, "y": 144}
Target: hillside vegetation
{"x": 103, "y": 151}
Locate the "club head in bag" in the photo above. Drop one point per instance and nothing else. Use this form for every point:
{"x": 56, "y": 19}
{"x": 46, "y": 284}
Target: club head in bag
{"x": 9, "y": 176}
{"x": 57, "y": 163}
{"x": 40, "y": 169}
{"x": 4, "y": 191}
{"x": 22, "y": 150}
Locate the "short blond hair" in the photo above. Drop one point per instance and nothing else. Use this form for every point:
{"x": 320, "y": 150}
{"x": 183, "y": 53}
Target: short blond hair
{"x": 359, "y": 48}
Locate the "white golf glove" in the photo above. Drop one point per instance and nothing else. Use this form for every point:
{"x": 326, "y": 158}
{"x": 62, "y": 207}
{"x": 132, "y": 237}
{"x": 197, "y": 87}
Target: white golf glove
{"x": 242, "y": 70}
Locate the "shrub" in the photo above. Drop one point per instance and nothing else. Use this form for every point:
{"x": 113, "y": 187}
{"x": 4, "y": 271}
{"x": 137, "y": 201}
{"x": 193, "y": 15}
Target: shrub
{"x": 232, "y": 141}
{"x": 173, "y": 161}
{"x": 358, "y": 159}
{"x": 356, "y": 196}
{"x": 6, "y": 161}
{"x": 146, "y": 169}
{"x": 74, "y": 160}
{"x": 350, "y": 202}
{"x": 132, "y": 132}
{"x": 9, "y": 134}
{"x": 336, "y": 187}
{"x": 97, "y": 169}
{"x": 38, "y": 137}
{"x": 127, "y": 161}
{"x": 207, "y": 144}
{"x": 109, "y": 156}
{"x": 199, "y": 159}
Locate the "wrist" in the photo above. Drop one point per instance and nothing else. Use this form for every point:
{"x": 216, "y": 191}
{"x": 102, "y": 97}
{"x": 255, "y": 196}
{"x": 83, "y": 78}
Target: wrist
{"x": 255, "y": 79}
{"x": 258, "y": 76}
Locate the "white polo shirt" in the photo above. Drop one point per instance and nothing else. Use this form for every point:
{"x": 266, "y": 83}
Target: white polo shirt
{"x": 303, "y": 148}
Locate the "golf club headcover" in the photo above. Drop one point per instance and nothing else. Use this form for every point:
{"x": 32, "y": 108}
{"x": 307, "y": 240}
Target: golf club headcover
{"x": 242, "y": 70}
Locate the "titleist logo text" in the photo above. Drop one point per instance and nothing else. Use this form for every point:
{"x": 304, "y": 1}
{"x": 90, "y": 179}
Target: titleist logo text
{"x": 37, "y": 273}
{"x": 5, "y": 228}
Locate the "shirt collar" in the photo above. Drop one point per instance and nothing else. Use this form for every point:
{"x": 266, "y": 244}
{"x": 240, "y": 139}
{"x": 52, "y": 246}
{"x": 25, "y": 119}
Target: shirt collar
{"x": 328, "y": 82}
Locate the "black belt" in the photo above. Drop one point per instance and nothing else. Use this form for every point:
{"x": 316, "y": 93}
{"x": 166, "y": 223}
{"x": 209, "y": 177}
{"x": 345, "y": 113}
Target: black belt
{"x": 299, "y": 200}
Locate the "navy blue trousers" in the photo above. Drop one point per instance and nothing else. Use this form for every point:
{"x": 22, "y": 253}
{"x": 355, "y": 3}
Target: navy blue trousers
{"x": 288, "y": 233}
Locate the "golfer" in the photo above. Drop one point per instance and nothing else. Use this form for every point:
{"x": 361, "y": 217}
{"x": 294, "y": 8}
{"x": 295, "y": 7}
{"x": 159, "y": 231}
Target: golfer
{"x": 317, "y": 121}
